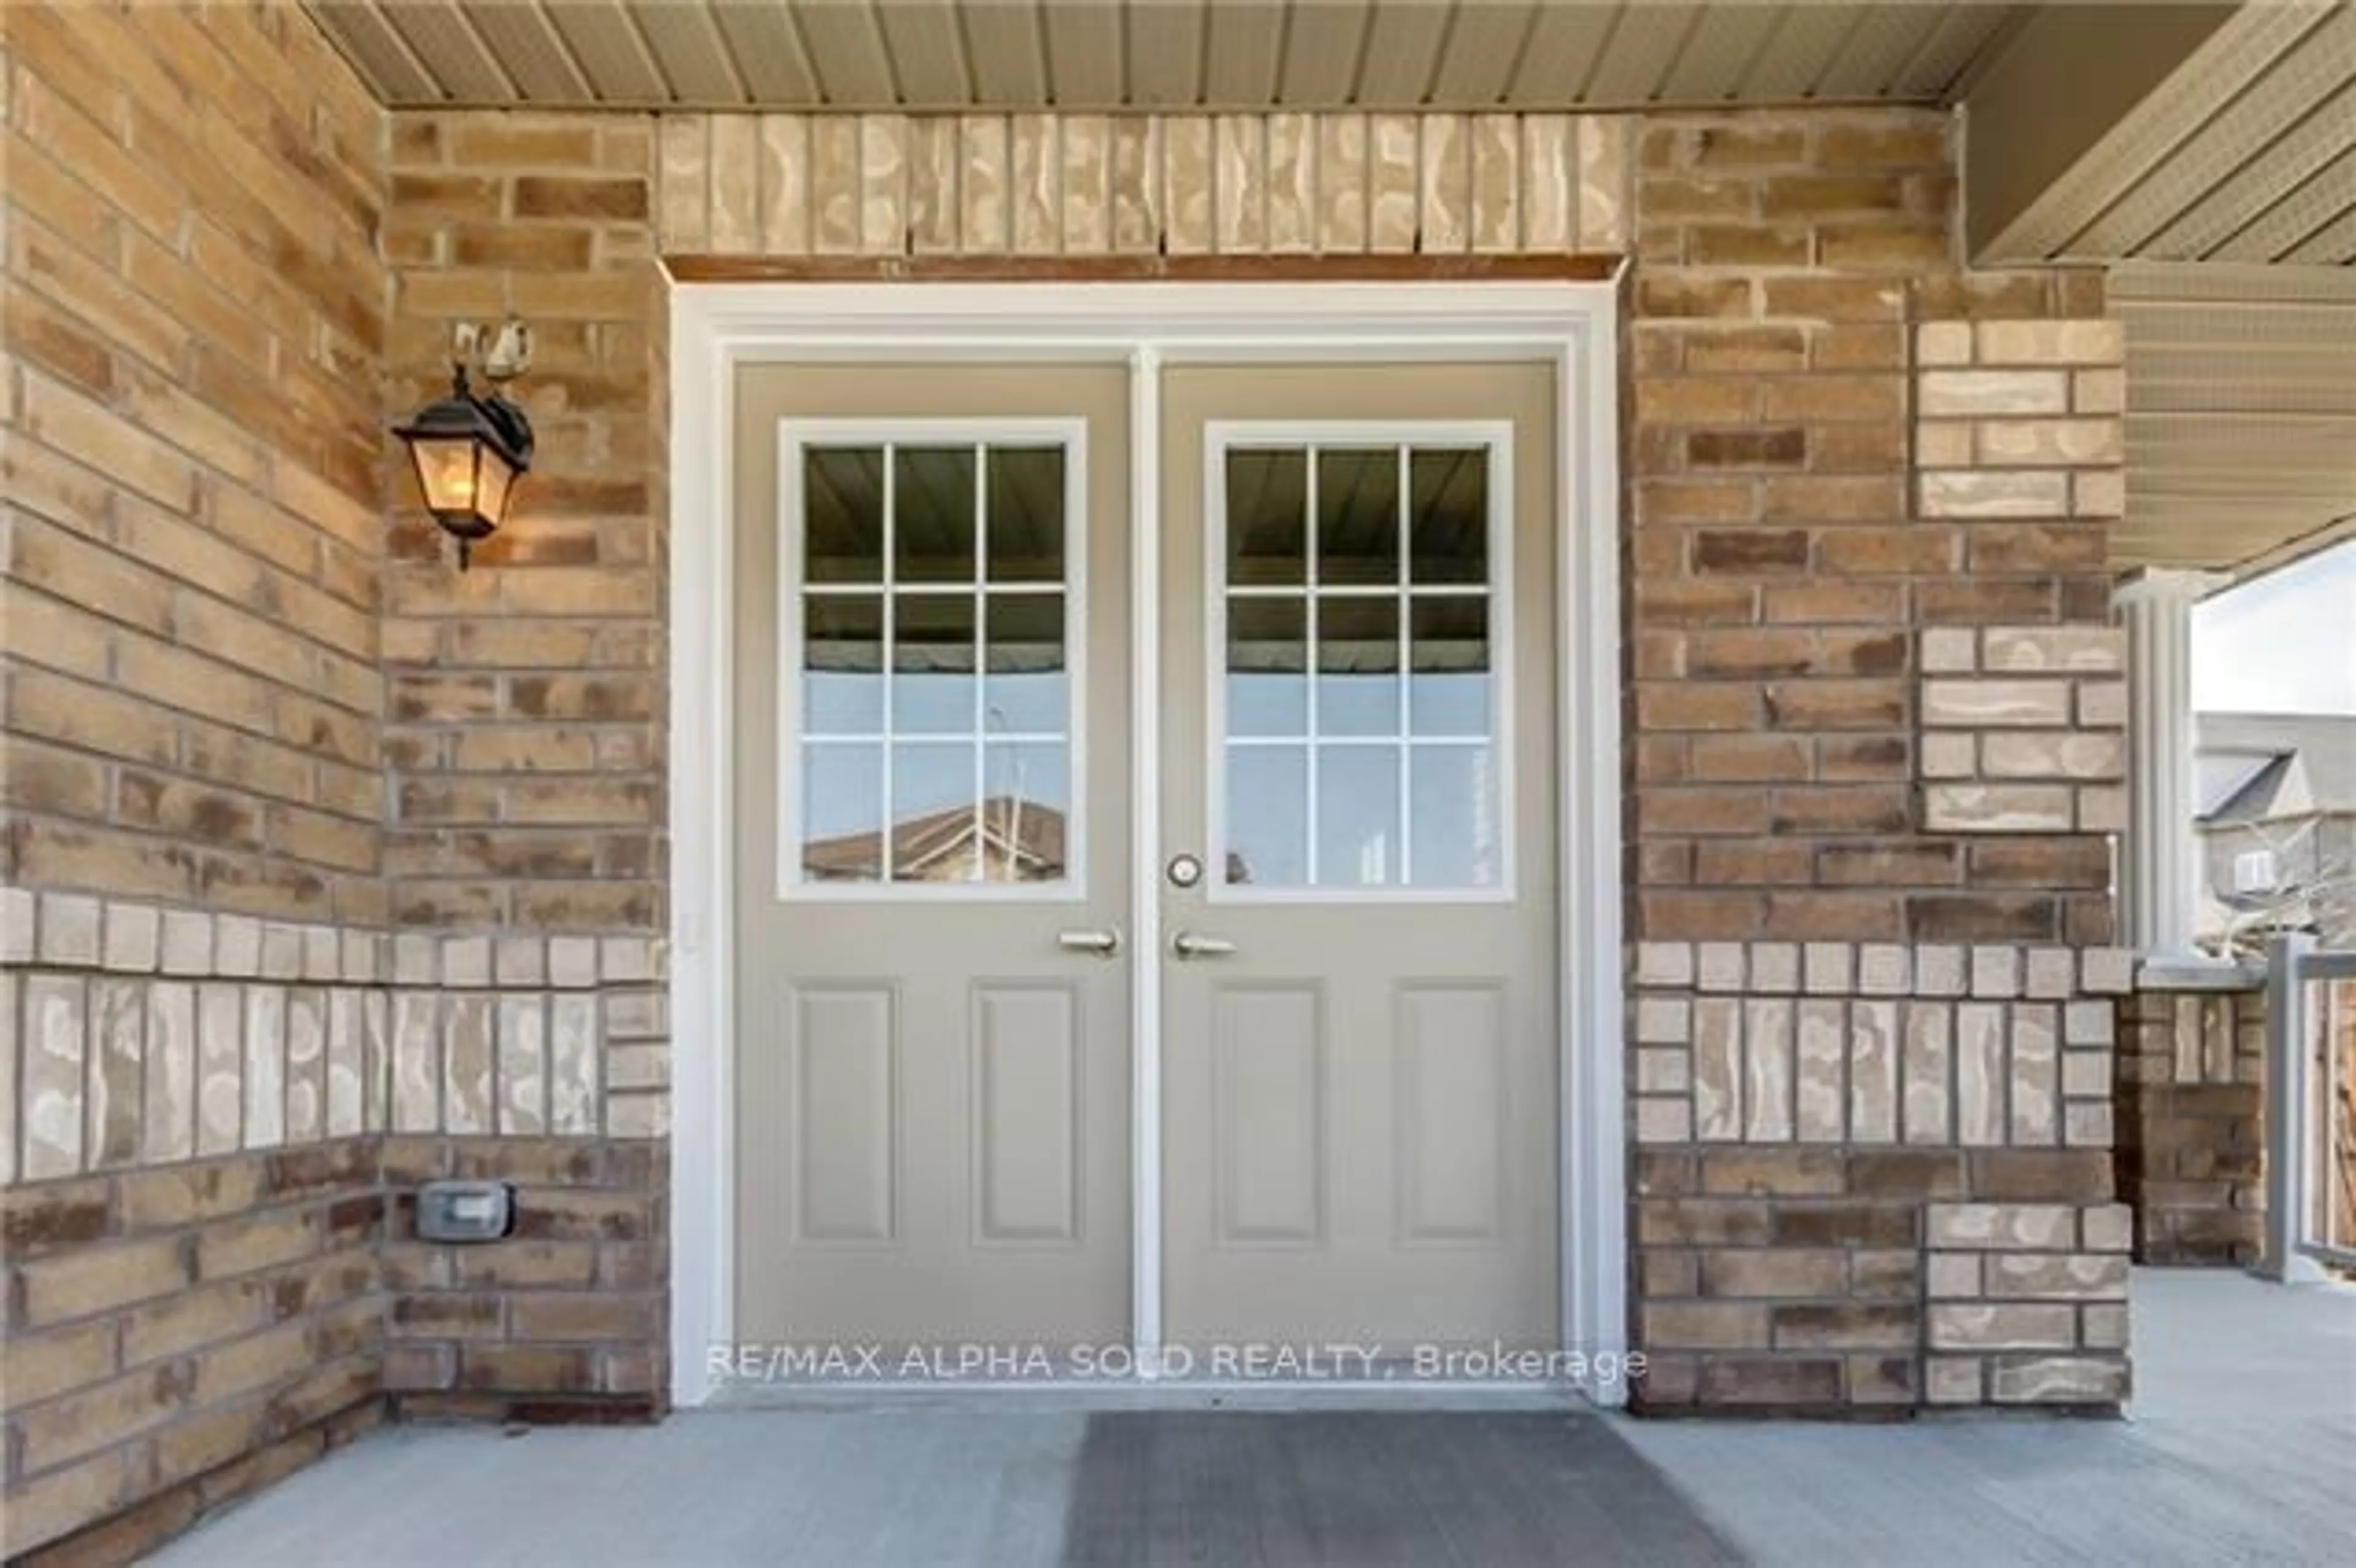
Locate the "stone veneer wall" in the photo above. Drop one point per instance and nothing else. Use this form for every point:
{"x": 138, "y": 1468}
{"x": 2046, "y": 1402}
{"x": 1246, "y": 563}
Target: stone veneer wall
{"x": 1874, "y": 722}
{"x": 2191, "y": 1093}
{"x": 1876, "y": 1174}
{"x": 211, "y": 1128}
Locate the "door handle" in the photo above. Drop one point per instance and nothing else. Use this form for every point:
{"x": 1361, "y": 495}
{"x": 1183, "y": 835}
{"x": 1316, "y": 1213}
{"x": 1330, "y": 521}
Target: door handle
{"x": 1195, "y": 944}
{"x": 1103, "y": 943}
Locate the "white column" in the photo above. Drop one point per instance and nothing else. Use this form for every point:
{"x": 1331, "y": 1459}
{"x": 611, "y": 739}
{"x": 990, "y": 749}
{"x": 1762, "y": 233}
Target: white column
{"x": 2160, "y": 872}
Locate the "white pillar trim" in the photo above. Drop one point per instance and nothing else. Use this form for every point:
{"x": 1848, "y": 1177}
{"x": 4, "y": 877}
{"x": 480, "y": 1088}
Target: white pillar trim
{"x": 2160, "y": 870}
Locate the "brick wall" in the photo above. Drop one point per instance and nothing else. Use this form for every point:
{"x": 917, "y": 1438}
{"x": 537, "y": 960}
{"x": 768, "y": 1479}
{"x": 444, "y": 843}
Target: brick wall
{"x": 2192, "y": 1145}
{"x": 176, "y": 1335}
{"x": 204, "y": 1117}
{"x": 524, "y": 736}
{"x": 194, "y": 328}
{"x": 1874, "y": 716}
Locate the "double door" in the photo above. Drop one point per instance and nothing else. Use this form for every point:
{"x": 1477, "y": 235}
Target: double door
{"x": 948, "y": 847}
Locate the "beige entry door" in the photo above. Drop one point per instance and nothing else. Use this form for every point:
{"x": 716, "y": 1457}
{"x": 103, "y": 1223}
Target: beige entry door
{"x": 1360, "y": 966}
{"x": 933, "y": 828}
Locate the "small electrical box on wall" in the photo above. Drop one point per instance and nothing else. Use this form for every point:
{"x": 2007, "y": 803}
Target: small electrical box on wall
{"x": 464, "y": 1211}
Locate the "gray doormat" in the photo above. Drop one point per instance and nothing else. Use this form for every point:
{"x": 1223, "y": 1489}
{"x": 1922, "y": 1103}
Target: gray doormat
{"x": 1373, "y": 1487}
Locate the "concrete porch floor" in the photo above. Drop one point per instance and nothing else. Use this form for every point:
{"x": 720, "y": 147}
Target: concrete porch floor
{"x": 2240, "y": 1447}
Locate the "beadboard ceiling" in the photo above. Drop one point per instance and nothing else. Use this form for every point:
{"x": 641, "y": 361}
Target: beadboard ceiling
{"x": 2241, "y": 423}
{"x": 1166, "y": 54}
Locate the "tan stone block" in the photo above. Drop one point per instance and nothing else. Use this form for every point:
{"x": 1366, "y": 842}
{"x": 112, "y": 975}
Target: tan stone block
{"x": 935, "y": 154}
{"x": 1957, "y": 1326}
{"x": 1949, "y": 755}
{"x": 2053, "y": 754}
{"x": 1666, "y": 964}
{"x": 2096, "y": 343}
{"x": 2052, "y": 442}
{"x": 1942, "y": 342}
{"x": 2102, "y": 704}
{"x": 1954, "y": 1275}
{"x": 2095, "y": 650}
{"x": 1992, "y": 703}
{"x": 1241, "y": 184}
{"x": 1717, "y": 1055}
{"x": 2089, "y": 1023}
{"x": 1820, "y": 1041}
{"x": 2088, "y": 1125}
{"x": 2104, "y": 1327}
{"x": 1873, "y": 1069}
{"x": 1949, "y": 650}
{"x": 55, "y": 1047}
{"x": 1953, "y": 1379}
{"x": 1085, "y": 180}
{"x": 2031, "y": 1227}
{"x": 1548, "y": 175}
{"x": 1192, "y": 223}
{"x": 1986, "y": 394}
{"x": 1664, "y": 1020}
{"x": 1393, "y": 166}
{"x": 2103, "y": 810}
{"x": 2058, "y": 1380}
{"x": 642, "y": 1116}
{"x": 1604, "y": 203}
{"x": 983, "y": 182}
{"x": 1927, "y": 1101}
{"x": 1342, "y": 187}
{"x": 2098, "y": 493}
{"x": 1997, "y": 808}
{"x": 1884, "y": 969}
{"x": 2057, "y": 1276}
{"x": 1969, "y": 495}
{"x": 1291, "y": 184}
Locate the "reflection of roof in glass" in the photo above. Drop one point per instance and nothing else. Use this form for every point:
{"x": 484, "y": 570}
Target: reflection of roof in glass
{"x": 1023, "y": 836}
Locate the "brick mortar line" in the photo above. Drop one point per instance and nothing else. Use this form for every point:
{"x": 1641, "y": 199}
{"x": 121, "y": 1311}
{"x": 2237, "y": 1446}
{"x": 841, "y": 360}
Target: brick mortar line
{"x": 276, "y": 573}
{"x": 199, "y": 651}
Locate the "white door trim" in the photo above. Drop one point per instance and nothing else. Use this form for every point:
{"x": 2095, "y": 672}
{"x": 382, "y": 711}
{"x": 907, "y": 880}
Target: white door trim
{"x": 716, "y": 326}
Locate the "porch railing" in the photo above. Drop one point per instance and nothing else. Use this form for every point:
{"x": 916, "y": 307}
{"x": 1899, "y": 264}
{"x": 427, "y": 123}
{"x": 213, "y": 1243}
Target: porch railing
{"x": 2311, "y": 1110}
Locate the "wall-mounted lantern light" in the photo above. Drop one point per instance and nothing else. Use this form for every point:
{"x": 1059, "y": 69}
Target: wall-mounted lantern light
{"x": 470, "y": 451}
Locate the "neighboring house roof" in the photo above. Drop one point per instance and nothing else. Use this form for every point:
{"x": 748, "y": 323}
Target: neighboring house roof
{"x": 1026, "y": 832}
{"x": 2258, "y": 767}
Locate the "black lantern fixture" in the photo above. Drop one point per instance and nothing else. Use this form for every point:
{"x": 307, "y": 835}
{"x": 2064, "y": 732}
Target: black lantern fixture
{"x": 469, "y": 450}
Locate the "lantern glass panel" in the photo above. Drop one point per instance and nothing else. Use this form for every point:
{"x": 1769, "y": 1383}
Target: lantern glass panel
{"x": 446, "y": 472}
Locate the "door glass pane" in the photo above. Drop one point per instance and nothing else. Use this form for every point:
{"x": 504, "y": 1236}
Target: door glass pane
{"x": 842, "y": 813}
{"x": 1024, "y": 528}
{"x": 842, "y": 504}
{"x": 1358, "y": 817}
{"x": 932, "y": 664}
{"x": 1024, "y": 690}
{"x": 1395, "y": 782}
{"x": 933, "y": 826}
{"x": 933, "y": 514}
{"x": 1268, "y": 660}
{"x": 1449, "y": 654}
{"x": 1452, "y": 816}
{"x": 843, "y": 664}
{"x": 1357, "y": 666}
{"x": 936, "y": 731}
{"x": 1357, "y": 515}
{"x": 1447, "y": 491}
{"x": 1268, "y": 816}
{"x": 1267, "y": 534}
{"x": 1025, "y": 811}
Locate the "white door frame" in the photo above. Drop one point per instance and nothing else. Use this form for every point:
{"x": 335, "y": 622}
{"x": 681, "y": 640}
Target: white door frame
{"x": 715, "y": 327}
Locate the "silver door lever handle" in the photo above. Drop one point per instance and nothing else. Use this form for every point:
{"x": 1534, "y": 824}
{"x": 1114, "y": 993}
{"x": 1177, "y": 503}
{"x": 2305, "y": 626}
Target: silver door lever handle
{"x": 1103, "y": 943}
{"x": 1193, "y": 945}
